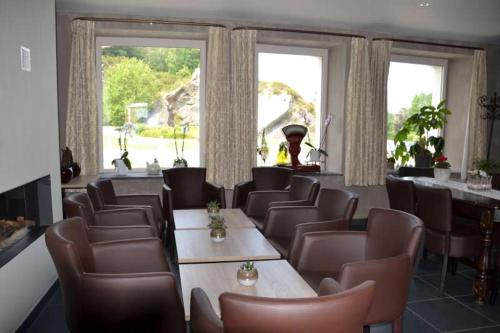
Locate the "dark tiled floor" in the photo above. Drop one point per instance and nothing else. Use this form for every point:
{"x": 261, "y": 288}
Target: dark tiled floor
{"x": 428, "y": 311}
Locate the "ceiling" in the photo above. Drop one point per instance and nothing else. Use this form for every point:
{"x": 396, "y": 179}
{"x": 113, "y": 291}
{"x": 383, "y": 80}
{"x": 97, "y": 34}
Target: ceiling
{"x": 463, "y": 20}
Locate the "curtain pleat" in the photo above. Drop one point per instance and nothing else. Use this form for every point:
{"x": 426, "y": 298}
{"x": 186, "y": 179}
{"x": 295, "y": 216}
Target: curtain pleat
{"x": 81, "y": 122}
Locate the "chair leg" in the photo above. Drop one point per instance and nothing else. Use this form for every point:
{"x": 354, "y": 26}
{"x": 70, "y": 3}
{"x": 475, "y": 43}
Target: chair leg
{"x": 397, "y": 325}
{"x": 366, "y": 329}
{"x": 443, "y": 273}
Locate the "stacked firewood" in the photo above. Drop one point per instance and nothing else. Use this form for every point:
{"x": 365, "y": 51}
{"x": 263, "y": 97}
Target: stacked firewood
{"x": 13, "y": 230}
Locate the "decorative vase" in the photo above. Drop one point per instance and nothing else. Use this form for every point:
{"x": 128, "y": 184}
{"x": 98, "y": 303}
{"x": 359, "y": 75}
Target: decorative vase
{"x": 314, "y": 156}
{"x": 75, "y": 168}
{"x": 247, "y": 277}
{"x": 66, "y": 175}
{"x": 423, "y": 161}
{"x": 479, "y": 183}
{"x": 218, "y": 235}
{"x": 442, "y": 174}
{"x": 213, "y": 211}
{"x": 120, "y": 167}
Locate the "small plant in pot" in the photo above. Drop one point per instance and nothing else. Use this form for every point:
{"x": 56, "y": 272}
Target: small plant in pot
{"x": 213, "y": 208}
{"x": 391, "y": 162}
{"x": 480, "y": 179}
{"x": 442, "y": 168}
{"x": 421, "y": 124}
{"x": 247, "y": 274}
{"x": 123, "y": 164}
{"x": 217, "y": 228}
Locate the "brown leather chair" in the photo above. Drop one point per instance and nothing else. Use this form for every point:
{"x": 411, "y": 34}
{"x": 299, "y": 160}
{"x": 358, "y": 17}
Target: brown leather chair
{"x": 303, "y": 192}
{"x": 384, "y": 253}
{"x": 401, "y": 194}
{"x": 102, "y": 195}
{"x": 444, "y": 236}
{"x": 331, "y": 312}
{"x": 334, "y": 210}
{"x": 116, "y": 286}
{"x": 113, "y": 224}
{"x": 416, "y": 172}
{"x": 263, "y": 179}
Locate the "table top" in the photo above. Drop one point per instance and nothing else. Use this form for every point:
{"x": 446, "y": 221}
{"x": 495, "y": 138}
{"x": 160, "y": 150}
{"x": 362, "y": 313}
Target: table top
{"x": 79, "y": 182}
{"x": 198, "y": 218}
{"x": 277, "y": 279}
{"x": 195, "y": 246}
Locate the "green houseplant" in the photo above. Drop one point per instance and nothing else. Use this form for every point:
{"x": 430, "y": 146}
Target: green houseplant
{"x": 213, "y": 207}
{"x": 217, "y": 228}
{"x": 428, "y": 118}
{"x": 247, "y": 274}
{"x": 442, "y": 168}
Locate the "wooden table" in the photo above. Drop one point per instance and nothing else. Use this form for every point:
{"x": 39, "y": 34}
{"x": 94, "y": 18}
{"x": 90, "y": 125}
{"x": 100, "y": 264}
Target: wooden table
{"x": 198, "y": 219}
{"x": 476, "y": 206}
{"x": 78, "y": 183}
{"x": 195, "y": 246}
{"x": 277, "y": 279}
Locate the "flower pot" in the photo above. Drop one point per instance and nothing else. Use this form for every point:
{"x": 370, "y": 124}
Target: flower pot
{"x": 75, "y": 168}
{"x": 423, "y": 161}
{"x": 213, "y": 211}
{"x": 247, "y": 277}
{"x": 66, "y": 175}
{"x": 442, "y": 174}
{"x": 390, "y": 165}
{"x": 314, "y": 156}
{"x": 120, "y": 167}
{"x": 218, "y": 235}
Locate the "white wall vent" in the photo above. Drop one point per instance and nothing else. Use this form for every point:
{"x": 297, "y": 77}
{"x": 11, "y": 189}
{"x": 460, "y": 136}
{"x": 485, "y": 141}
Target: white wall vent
{"x": 25, "y": 59}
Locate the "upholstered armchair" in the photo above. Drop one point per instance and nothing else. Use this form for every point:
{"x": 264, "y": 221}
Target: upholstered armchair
{"x": 114, "y": 286}
{"x": 263, "y": 179}
{"x": 385, "y": 253}
{"x": 303, "y": 192}
{"x": 401, "y": 193}
{"x": 113, "y": 224}
{"x": 331, "y": 312}
{"x": 334, "y": 210}
{"x": 103, "y": 197}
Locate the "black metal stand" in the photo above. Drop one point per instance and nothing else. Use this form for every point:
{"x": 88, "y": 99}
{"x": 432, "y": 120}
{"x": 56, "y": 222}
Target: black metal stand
{"x": 491, "y": 113}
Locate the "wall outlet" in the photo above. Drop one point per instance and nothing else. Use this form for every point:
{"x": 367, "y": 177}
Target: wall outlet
{"x": 25, "y": 59}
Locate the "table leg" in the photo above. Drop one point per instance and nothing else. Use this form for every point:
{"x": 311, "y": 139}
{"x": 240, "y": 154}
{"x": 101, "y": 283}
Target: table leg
{"x": 481, "y": 282}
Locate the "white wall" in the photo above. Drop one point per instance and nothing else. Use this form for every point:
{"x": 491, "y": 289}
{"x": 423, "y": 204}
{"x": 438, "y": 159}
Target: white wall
{"x": 28, "y": 142}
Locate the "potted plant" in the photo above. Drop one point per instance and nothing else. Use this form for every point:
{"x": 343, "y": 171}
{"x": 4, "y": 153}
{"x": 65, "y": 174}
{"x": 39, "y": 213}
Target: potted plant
{"x": 315, "y": 153}
{"x": 217, "y": 228}
{"x": 263, "y": 150}
{"x": 180, "y": 161}
{"x": 442, "y": 168}
{"x": 123, "y": 163}
{"x": 247, "y": 274}
{"x": 391, "y": 162}
{"x": 213, "y": 208}
{"x": 421, "y": 124}
{"x": 480, "y": 178}
{"x": 282, "y": 154}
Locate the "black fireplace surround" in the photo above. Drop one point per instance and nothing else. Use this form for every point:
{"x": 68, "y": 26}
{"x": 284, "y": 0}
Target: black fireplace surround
{"x": 33, "y": 201}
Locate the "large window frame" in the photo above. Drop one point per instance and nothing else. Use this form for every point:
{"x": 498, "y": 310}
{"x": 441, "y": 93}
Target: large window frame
{"x": 150, "y": 42}
{"x": 305, "y": 51}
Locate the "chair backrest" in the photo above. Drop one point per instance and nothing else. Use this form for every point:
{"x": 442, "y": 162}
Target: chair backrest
{"x": 78, "y": 204}
{"x": 343, "y": 312}
{"x": 271, "y": 178}
{"x": 392, "y": 233}
{"x": 101, "y": 193}
{"x": 435, "y": 207}
{"x": 334, "y": 204}
{"x": 401, "y": 194}
{"x": 416, "y": 172}
{"x": 304, "y": 188}
{"x": 188, "y": 187}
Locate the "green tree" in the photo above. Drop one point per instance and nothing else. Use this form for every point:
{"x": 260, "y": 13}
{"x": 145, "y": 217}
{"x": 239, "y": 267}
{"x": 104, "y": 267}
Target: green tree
{"x": 128, "y": 81}
{"x": 395, "y": 120}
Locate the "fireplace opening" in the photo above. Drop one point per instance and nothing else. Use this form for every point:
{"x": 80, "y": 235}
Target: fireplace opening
{"x": 25, "y": 211}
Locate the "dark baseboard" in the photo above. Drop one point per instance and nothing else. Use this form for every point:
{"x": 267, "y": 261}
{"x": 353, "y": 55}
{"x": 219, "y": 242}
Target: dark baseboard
{"x": 38, "y": 308}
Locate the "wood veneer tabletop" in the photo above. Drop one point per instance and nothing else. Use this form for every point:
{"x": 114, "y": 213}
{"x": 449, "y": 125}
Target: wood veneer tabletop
{"x": 198, "y": 218}
{"x": 195, "y": 246}
{"x": 277, "y": 279}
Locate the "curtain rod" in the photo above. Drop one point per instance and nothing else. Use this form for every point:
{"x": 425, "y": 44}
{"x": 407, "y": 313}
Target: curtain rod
{"x": 300, "y": 31}
{"x": 431, "y": 43}
{"x": 152, "y": 21}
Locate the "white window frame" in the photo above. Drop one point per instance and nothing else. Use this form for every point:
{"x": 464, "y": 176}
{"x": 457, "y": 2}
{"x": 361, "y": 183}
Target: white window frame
{"x": 151, "y": 42}
{"x": 298, "y": 50}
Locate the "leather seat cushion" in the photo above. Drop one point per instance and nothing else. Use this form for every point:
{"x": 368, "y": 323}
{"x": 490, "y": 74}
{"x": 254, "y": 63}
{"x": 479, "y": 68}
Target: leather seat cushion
{"x": 281, "y": 244}
{"x": 313, "y": 278}
{"x": 464, "y": 241}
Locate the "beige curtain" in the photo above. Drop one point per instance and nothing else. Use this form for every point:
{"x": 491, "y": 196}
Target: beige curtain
{"x": 243, "y": 104}
{"x": 81, "y": 122}
{"x": 377, "y": 127}
{"x": 475, "y": 137}
{"x": 358, "y": 115}
{"x": 217, "y": 110}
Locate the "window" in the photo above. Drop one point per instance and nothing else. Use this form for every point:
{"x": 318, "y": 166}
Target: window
{"x": 413, "y": 82}
{"x": 151, "y": 92}
{"x": 292, "y": 82}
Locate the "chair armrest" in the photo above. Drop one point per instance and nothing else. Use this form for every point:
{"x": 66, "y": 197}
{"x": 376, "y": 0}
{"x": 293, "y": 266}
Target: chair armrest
{"x": 129, "y": 256}
{"x": 301, "y": 229}
{"x": 216, "y": 193}
{"x": 344, "y": 246}
{"x": 103, "y": 234}
{"x": 281, "y": 221}
{"x": 258, "y": 201}
{"x": 202, "y": 315}
{"x": 124, "y": 296}
{"x": 291, "y": 203}
{"x": 152, "y": 200}
{"x": 329, "y": 286}
{"x": 392, "y": 277}
{"x": 240, "y": 193}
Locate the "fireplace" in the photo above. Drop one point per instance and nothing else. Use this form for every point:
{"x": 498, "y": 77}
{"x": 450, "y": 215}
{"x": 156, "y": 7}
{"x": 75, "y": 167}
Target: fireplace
{"x": 25, "y": 211}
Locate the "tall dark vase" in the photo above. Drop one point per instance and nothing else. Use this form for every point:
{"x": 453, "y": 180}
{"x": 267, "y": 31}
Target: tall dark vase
{"x": 423, "y": 161}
